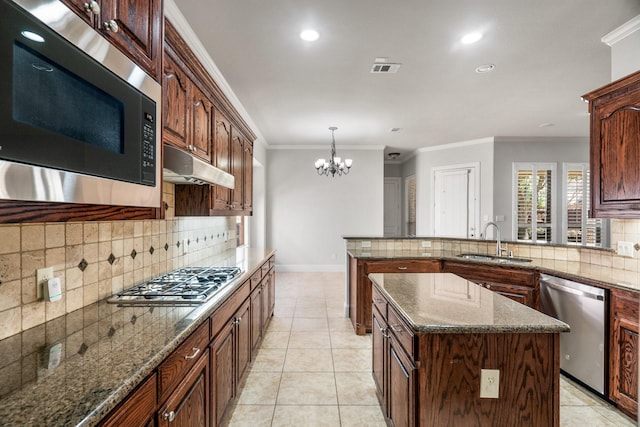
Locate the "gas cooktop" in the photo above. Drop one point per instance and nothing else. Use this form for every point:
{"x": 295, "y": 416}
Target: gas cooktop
{"x": 184, "y": 286}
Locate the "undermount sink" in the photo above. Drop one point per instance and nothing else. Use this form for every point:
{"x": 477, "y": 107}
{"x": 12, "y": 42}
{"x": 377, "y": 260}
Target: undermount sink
{"x": 494, "y": 258}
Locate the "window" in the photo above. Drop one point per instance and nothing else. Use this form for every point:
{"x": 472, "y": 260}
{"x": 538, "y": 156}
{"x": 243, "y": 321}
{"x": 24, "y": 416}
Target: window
{"x": 240, "y": 231}
{"x": 580, "y": 229}
{"x": 533, "y": 202}
{"x": 410, "y": 188}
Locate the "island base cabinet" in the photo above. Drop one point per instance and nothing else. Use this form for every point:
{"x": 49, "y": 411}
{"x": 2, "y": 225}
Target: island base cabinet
{"x": 188, "y": 405}
{"x": 623, "y": 365}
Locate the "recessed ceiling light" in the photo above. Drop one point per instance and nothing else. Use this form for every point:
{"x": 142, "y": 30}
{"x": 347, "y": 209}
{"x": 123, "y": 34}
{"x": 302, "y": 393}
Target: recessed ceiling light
{"x": 32, "y": 36}
{"x": 546, "y": 125}
{"x": 309, "y": 35}
{"x": 471, "y": 38}
{"x": 394, "y": 130}
{"x": 485, "y": 68}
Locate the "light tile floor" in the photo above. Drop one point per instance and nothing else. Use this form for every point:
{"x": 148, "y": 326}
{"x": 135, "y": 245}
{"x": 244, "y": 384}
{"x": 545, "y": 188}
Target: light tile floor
{"x": 312, "y": 370}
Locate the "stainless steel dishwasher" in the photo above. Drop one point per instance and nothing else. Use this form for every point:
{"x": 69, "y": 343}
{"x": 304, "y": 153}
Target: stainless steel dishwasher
{"x": 583, "y": 308}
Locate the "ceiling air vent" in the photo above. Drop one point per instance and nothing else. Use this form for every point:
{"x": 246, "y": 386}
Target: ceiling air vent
{"x": 385, "y": 68}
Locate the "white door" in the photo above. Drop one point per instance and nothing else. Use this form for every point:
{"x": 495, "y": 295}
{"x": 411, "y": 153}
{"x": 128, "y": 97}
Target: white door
{"x": 392, "y": 200}
{"x": 455, "y": 202}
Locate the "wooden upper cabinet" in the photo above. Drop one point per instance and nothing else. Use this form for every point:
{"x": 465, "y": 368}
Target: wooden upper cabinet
{"x": 236, "y": 158}
{"x": 247, "y": 203}
{"x": 615, "y": 148}
{"x": 175, "y": 109}
{"x": 133, "y": 26}
{"x": 203, "y": 119}
{"x": 222, "y": 141}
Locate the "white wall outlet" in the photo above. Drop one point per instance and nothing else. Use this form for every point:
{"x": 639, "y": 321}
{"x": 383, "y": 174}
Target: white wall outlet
{"x": 499, "y": 218}
{"x": 489, "y": 383}
{"x": 625, "y": 249}
{"x": 185, "y": 247}
{"x": 42, "y": 276}
{"x": 425, "y": 243}
{"x": 365, "y": 244}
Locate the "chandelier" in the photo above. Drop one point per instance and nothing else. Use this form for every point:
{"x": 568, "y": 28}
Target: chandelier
{"x": 335, "y": 165}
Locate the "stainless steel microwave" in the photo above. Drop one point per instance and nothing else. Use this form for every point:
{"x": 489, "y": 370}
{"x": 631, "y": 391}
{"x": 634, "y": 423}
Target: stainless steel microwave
{"x": 79, "y": 121}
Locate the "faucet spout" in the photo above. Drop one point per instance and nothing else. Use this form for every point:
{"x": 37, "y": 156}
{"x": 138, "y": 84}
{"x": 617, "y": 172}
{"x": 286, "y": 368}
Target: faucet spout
{"x": 498, "y": 241}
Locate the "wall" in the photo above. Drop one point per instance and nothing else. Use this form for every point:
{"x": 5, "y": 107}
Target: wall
{"x": 624, "y": 49}
{"x": 508, "y": 150}
{"x": 449, "y": 155}
{"x": 309, "y": 214}
{"x": 63, "y": 246}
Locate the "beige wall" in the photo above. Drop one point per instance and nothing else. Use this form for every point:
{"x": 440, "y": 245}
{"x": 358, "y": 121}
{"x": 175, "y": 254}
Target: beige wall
{"x": 63, "y": 246}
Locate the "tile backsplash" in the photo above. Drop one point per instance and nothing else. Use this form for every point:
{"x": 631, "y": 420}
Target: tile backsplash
{"x": 95, "y": 260}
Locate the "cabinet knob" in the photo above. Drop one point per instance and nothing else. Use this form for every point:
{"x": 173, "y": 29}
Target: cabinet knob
{"x": 195, "y": 353}
{"x": 169, "y": 416}
{"x": 488, "y": 286}
{"x": 92, "y": 7}
{"x": 402, "y": 268}
{"x": 111, "y": 25}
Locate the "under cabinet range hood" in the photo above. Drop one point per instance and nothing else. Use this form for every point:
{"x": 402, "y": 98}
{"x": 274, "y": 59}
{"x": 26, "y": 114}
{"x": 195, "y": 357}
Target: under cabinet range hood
{"x": 181, "y": 167}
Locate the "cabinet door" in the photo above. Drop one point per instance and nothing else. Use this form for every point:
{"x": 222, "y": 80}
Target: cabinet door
{"x": 222, "y": 139}
{"x": 84, "y": 9}
{"x": 188, "y": 405}
{"x": 256, "y": 317}
{"x": 623, "y": 363}
{"x": 222, "y": 373}
{"x": 137, "y": 410}
{"x": 248, "y": 178}
{"x": 139, "y": 30}
{"x": 519, "y": 294}
{"x": 175, "y": 111}
{"x": 378, "y": 334}
{"x": 272, "y": 293}
{"x": 243, "y": 333}
{"x": 202, "y": 129}
{"x": 401, "y": 383}
{"x": 235, "y": 159}
{"x": 265, "y": 304}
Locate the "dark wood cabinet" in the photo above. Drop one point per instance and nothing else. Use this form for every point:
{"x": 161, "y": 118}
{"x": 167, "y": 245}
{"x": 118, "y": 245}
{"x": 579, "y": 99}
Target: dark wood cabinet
{"x": 247, "y": 164}
{"x": 514, "y": 283}
{"x": 256, "y": 318}
{"x": 236, "y": 159}
{"x": 188, "y": 405}
{"x": 615, "y": 148}
{"x": 222, "y": 372}
{"x": 138, "y": 409}
{"x": 222, "y": 145}
{"x": 623, "y": 360}
{"x": 133, "y": 26}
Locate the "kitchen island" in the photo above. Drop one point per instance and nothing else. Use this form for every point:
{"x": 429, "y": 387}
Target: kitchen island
{"x": 448, "y": 352}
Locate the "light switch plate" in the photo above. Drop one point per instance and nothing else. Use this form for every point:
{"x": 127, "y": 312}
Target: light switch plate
{"x": 42, "y": 275}
{"x": 625, "y": 249}
{"x": 365, "y": 244}
{"x": 426, "y": 243}
{"x": 489, "y": 383}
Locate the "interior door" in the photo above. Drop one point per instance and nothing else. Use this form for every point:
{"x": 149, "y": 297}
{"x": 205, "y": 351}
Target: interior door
{"x": 455, "y": 202}
{"x": 392, "y": 200}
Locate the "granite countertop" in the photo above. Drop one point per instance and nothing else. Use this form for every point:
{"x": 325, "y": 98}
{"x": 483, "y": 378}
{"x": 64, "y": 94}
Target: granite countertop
{"x": 75, "y": 369}
{"x": 571, "y": 270}
{"x": 446, "y": 303}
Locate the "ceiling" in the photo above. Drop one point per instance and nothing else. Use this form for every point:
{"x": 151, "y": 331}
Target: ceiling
{"x": 547, "y": 53}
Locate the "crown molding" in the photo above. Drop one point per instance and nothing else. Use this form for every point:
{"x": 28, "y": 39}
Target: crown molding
{"x": 622, "y": 31}
{"x": 325, "y": 146}
{"x": 456, "y": 144}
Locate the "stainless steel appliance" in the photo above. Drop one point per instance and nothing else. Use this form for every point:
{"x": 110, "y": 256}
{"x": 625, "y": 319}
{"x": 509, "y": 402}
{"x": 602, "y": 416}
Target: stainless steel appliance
{"x": 79, "y": 121}
{"x": 583, "y": 308}
{"x": 184, "y": 286}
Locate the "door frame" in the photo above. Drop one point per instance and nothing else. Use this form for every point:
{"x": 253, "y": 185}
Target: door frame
{"x": 397, "y": 181}
{"x": 473, "y": 169}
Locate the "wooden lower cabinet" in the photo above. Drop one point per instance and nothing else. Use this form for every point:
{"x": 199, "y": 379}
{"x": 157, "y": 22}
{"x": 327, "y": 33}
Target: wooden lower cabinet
{"x": 222, "y": 373}
{"x": 623, "y": 362}
{"x": 188, "y": 405}
{"x": 256, "y": 318}
{"x": 138, "y": 409}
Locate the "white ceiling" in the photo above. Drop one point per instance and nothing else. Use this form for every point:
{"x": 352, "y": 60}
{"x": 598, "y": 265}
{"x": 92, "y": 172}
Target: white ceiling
{"x": 547, "y": 54}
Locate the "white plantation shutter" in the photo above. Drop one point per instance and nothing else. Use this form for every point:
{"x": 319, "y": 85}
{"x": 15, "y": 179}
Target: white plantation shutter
{"x": 533, "y": 201}
{"x": 581, "y": 230}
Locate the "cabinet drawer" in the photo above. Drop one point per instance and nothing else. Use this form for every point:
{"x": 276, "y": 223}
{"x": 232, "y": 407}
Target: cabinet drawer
{"x": 137, "y": 409}
{"x": 379, "y": 302}
{"x": 221, "y": 316}
{"x": 401, "y": 331}
{"x": 173, "y": 369}
{"x": 272, "y": 262}
{"x": 255, "y": 279}
{"x": 482, "y": 274}
{"x": 404, "y": 266}
{"x": 265, "y": 269}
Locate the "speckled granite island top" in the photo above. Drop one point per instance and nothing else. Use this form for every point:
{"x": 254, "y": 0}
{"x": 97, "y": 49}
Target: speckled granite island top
{"x": 446, "y": 303}
{"x": 74, "y": 369}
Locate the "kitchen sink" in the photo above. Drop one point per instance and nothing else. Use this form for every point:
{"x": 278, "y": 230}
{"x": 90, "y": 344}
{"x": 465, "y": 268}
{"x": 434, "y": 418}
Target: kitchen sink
{"x": 493, "y": 258}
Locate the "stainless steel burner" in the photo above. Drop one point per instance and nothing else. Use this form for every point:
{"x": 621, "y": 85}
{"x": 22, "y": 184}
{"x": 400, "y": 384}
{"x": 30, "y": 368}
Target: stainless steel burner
{"x": 185, "y": 286}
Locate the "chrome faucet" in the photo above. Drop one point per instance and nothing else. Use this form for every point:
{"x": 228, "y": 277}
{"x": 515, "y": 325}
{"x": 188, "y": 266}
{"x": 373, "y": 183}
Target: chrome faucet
{"x": 499, "y": 247}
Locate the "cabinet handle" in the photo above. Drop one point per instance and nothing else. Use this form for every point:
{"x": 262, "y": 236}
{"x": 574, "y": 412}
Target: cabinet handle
{"x": 169, "y": 416}
{"x": 378, "y": 300}
{"x": 92, "y": 7}
{"x": 195, "y": 353}
{"x": 488, "y": 286}
{"x": 384, "y": 333}
{"x": 402, "y": 268}
{"x": 111, "y": 25}
{"x": 397, "y": 328}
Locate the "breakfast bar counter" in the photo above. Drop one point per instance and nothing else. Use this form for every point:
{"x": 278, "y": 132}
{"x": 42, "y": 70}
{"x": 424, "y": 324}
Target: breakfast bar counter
{"x": 447, "y": 351}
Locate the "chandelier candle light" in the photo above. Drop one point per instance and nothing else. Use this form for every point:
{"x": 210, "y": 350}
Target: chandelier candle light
{"x": 335, "y": 165}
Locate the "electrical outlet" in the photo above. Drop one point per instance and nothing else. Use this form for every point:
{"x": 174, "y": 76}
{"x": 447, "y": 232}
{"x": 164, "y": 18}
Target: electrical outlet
{"x": 185, "y": 247}
{"x": 365, "y": 244}
{"x": 42, "y": 276}
{"x": 425, "y": 243}
{"x": 489, "y": 383}
{"x": 625, "y": 249}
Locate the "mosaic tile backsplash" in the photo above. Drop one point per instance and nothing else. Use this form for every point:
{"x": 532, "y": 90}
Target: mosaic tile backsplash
{"x": 95, "y": 260}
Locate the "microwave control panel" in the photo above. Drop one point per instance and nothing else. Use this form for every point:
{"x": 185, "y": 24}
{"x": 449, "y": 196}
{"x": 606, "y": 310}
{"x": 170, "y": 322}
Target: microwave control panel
{"x": 148, "y": 150}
